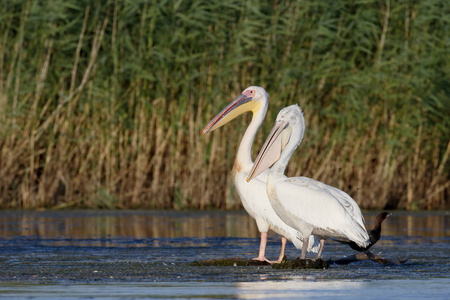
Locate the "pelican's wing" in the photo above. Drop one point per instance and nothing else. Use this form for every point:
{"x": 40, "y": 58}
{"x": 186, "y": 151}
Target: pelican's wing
{"x": 347, "y": 202}
{"x": 307, "y": 201}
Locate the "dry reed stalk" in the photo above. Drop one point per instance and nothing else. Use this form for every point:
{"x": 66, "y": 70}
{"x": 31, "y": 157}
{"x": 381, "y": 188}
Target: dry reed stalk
{"x": 434, "y": 193}
{"x": 379, "y": 53}
{"x": 98, "y": 37}
{"x": 143, "y": 161}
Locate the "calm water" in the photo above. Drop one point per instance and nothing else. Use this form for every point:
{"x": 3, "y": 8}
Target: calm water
{"x": 146, "y": 254}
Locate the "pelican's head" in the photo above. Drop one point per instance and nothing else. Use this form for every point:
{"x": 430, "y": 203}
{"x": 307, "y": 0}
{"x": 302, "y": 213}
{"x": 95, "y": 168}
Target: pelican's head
{"x": 289, "y": 123}
{"x": 251, "y": 99}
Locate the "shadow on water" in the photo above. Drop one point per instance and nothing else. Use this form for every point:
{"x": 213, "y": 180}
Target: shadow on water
{"x": 148, "y": 252}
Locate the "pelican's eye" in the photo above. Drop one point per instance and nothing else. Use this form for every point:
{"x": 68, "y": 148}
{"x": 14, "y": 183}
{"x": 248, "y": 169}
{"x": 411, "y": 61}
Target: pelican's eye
{"x": 249, "y": 93}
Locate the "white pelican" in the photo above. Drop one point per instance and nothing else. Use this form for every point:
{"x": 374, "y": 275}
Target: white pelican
{"x": 253, "y": 194}
{"x": 308, "y": 205}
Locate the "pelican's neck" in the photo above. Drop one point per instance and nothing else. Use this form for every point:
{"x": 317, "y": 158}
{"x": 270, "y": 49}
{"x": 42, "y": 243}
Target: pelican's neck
{"x": 244, "y": 154}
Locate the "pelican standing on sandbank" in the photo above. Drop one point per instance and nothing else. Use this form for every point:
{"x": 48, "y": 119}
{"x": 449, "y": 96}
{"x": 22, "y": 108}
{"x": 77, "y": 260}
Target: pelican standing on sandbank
{"x": 253, "y": 194}
{"x": 308, "y": 205}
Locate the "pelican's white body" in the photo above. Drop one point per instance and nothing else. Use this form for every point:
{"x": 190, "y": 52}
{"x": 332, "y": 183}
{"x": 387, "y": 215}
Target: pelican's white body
{"x": 313, "y": 207}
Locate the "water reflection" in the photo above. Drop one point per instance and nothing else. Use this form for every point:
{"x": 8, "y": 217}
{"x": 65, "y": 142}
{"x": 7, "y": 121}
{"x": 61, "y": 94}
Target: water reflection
{"x": 343, "y": 289}
{"x": 289, "y": 289}
{"x": 106, "y": 225}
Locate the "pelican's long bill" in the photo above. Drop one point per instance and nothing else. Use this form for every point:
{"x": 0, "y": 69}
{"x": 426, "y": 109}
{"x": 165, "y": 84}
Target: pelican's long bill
{"x": 240, "y": 105}
{"x": 271, "y": 150}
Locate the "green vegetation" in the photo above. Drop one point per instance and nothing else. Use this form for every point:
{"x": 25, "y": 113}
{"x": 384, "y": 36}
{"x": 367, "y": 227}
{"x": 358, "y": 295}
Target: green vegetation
{"x": 102, "y": 104}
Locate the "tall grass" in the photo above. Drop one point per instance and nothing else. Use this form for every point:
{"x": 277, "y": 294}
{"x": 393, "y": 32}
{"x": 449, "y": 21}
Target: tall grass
{"x": 102, "y": 104}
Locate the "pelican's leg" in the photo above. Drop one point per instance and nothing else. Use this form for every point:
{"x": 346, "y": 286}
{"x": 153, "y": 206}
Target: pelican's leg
{"x": 262, "y": 248}
{"x": 305, "y": 247}
{"x": 283, "y": 246}
{"x": 322, "y": 242}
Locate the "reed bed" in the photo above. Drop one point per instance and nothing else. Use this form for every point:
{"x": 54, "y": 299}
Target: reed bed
{"x": 102, "y": 104}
